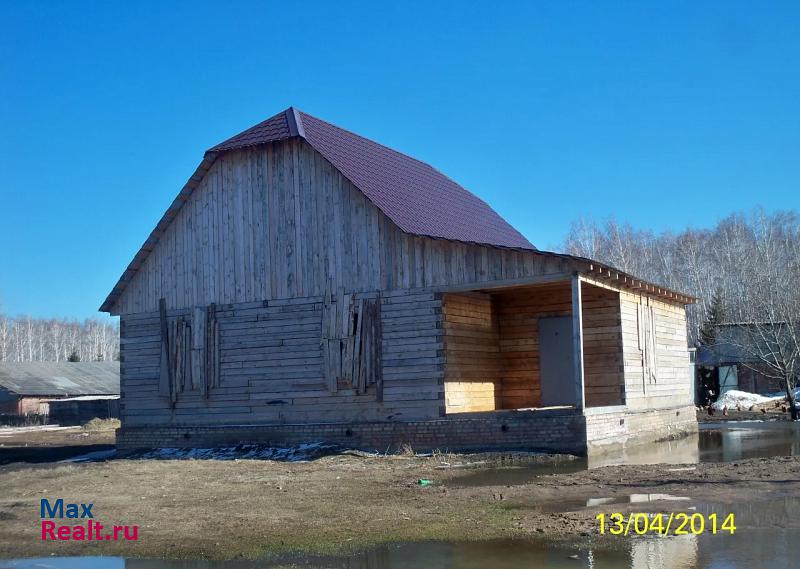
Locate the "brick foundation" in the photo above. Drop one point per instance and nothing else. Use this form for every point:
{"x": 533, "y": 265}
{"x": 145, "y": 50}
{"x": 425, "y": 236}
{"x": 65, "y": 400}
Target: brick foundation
{"x": 563, "y": 431}
{"x": 542, "y": 430}
{"x": 618, "y": 425}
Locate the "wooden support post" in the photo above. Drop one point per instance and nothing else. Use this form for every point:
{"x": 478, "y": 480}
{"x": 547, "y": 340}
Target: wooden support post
{"x": 378, "y": 348}
{"x": 165, "y": 373}
{"x": 577, "y": 340}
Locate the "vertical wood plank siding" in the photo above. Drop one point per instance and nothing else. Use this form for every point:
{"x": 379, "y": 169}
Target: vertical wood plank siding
{"x": 278, "y": 221}
{"x": 270, "y": 230}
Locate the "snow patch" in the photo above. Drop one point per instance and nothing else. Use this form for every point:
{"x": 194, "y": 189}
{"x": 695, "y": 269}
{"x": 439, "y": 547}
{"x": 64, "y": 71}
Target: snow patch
{"x": 302, "y": 452}
{"x": 741, "y": 399}
{"x": 96, "y": 456}
{"x": 11, "y": 431}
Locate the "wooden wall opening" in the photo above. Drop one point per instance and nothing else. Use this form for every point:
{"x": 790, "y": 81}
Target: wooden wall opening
{"x": 520, "y": 312}
{"x": 492, "y": 346}
{"x": 492, "y": 353}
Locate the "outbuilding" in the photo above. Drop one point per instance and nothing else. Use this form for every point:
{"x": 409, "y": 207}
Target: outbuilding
{"x": 309, "y": 284}
{"x": 62, "y": 392}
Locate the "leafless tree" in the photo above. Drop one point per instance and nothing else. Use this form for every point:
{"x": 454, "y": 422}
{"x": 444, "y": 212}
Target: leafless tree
{"x": 30, "y": 339}
{"x": 752, "y": 259}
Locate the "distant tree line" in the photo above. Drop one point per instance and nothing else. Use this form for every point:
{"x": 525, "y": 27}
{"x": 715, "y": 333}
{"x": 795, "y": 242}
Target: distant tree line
{"x": 745, "y": 270}
{"x": 743, "y": 267}
{"x": 26, "y": 339}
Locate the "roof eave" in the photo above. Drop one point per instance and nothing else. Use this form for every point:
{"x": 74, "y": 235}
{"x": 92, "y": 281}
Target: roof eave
{"x": 155, "y": 235}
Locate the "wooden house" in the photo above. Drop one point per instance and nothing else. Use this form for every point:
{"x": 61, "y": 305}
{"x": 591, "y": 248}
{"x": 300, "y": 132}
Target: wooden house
{"x": 309, "y": 284}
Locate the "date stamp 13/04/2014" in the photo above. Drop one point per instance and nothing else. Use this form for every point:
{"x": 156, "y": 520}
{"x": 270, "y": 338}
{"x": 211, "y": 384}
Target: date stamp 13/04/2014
{"x": 680, "y": 523}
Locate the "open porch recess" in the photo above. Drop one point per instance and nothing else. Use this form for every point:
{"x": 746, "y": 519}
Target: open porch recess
{"x": 546, "y": 345}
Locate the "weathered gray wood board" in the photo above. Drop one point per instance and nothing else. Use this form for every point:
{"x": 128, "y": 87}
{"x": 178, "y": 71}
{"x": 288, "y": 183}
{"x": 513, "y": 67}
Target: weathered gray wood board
{"x": 271, "y": 366}
{"x": 278, "y": 221}
{"x": 249, "y": 270}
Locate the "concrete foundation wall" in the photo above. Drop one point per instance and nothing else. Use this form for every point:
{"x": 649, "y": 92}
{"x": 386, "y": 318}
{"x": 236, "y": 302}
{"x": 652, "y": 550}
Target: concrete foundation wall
{"x": 548, "y": 430}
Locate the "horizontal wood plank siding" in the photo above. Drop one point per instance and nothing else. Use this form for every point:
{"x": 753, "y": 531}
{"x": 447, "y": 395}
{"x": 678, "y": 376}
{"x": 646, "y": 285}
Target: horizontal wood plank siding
{"x": 518, "y": 314}
{"x": 271, "y": 367}
{"x": 472, "y": 348}
{"x": 604, "y": 379}
{"x": 270, "y": 230}
{"x": 493, "y": 342}
{"x": 673, "y": 384}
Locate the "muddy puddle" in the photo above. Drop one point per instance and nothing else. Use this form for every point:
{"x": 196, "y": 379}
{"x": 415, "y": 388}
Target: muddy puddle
{"x": 766, "y": 533}
{"x": 773, "y": 548}
{"x": 766, "y": 536}
{"x": 571, "y": 505}
{"x": 716, "y": 442}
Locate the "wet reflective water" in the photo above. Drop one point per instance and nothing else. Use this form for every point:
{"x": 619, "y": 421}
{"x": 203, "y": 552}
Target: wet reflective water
{"x": 766, "y": 536}
{"x": 727, "y": 442}
{"x": 770, "y": 548}
{"x": 573, "y": 504}
{"x": 716, "y": 442}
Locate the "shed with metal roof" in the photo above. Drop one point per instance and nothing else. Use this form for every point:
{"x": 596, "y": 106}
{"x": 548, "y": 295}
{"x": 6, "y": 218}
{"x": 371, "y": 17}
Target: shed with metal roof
{"x": 27, "y": 388}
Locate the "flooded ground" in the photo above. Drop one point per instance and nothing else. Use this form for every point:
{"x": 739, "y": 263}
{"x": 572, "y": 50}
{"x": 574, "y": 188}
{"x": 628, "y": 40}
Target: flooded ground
{"x": 728, "y": 442}
{"x": 767, "y": 547}
{"x": 716, "y": 442}
{"x": 766, "y": 536}
{"x": 488, "y": 517}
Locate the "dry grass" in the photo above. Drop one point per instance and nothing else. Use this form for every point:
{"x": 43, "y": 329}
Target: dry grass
{"x": 406, "y": 450}
{"x": 226, "y": 509}
{"x": 97, "y": 425}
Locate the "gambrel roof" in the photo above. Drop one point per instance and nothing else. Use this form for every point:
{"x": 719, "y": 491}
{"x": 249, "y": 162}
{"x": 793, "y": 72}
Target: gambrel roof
{"x": 419, "y": 199}
{"x": 416, "y": 197}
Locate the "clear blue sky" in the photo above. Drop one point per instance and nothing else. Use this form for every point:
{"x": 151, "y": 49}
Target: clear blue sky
{"x": 661, "y": 114}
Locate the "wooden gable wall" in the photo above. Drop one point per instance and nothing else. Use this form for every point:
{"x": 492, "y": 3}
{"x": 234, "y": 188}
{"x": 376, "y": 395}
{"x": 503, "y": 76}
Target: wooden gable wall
{"x": 279, "y": 221}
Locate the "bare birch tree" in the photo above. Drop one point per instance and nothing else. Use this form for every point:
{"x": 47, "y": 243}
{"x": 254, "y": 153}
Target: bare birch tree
{"x": 729, "y": 258}
{"x": 751, "y": 261}
{"x": 29, "y": 339}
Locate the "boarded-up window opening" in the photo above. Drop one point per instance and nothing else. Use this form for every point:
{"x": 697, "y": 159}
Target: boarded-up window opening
{"x": 351, "y": 343}
{"x": 189, "y": 352}
{"x": 647, "y": 343}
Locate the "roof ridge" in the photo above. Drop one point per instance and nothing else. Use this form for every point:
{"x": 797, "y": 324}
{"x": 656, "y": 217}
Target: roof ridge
{"x": 373, "y": 141}
{"x": 411, "y": 192}
{"x": 294, "y": 120}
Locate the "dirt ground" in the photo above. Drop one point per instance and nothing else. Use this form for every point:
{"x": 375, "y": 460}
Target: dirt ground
{"x": 246, "y": 508}
{"x": 47, "y": 444}
{"x": 769, "y": 411}
{"x": 773, "y": 414}
{"x": 95, "y": 432}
